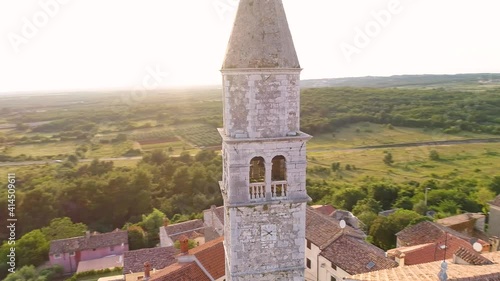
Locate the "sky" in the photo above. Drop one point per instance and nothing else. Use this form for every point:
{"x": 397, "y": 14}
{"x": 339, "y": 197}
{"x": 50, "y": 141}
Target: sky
{"x": 59, "y": 45}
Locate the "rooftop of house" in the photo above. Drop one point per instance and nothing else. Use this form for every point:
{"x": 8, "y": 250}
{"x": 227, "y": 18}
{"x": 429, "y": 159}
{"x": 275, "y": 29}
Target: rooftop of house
{"x": 356, "y": 256}
{"x": 440, "y": 249}
{"x": 429, "y": 272}
{"x": 191, "y": 229}
{"x": 158, "y": 258}
{"x": 87, "y": 242}
{"x": 321, "y": 229}
{"x": 261, "y": 37}
{"x": 181, "y": 272}
{"x": 458, "y": 219}
{"x": 496, "y": 201}
{"x": 100, "y": 264}
{"x": 428, "y": 232}
{"x": 218, "y": 211}
{"x": 209, "y": 255}
{"x": 324, "y": 209}
{"x": 472, "y": 257}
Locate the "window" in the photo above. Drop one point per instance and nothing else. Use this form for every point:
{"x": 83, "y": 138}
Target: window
{"x": 308, "y": 244}
{"x": 334, "y": 266}
{"x": 257, "y": 170}
{"x": 57, "y": 256}
{"x": 279, "y": 169}
{"x": 278, "y": 176}
{"x": 72, "y": 254}
{"x": 257, "y": 188}
{"x": 112, "y": 248}
{"x": 333, "y": 278}
{"x": 308, "y": 263}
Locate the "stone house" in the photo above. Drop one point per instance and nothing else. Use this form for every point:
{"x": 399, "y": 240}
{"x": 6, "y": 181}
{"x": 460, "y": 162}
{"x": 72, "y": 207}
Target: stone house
{"x": 69, "y": 253}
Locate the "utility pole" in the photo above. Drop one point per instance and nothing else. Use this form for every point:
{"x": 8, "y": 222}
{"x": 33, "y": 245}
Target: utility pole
{"x": 426, "y": 189}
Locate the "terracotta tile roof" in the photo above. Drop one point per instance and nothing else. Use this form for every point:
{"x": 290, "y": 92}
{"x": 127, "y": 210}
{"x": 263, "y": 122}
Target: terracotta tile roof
{"x": 95, "y": 241}
{"x": 428, "y": 232}
{"x": 324, "y": 209}
{"x": 211, "y": 256}
{"x": 356, "y": 256}
{"x": 429, "y": 271}
{"x": 321, "y": 230}
{"x": 453, "y": 220}
{"x": 133, "y": 261}
{"x": 191, "y": 229}
{"x": 496, "y": 202}
{"x": 435, "y": 251}
{"x": 181, "y": 272}
{"x": 472, "y": 257}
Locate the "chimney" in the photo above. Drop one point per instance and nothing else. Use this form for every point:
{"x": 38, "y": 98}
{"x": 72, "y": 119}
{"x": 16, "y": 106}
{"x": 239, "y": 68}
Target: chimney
{"x": 87, "y": 234}
{"x": 495, "y": 243}
{"x": 165, "y": 222}
{"x": 400, "y": 259}
{"x": 147, "y": 271}
{"x": 184, "y": 245}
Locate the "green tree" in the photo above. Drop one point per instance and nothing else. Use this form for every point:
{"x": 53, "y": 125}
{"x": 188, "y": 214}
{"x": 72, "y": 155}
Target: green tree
{"x": 367, "y": 205}
{"x": 151, "y": 223}
{"x": 347, "y": 198}
{"x": 495, "y": 184}
{"x": 434, "y": 155}
{"x": 31, "y": 249}
{"x": 388, "y": 160}
{"x": 62, "y": 228}
{"x": 136, "y": 238}
{"x": 384, "y": 229}
{"x": 26, "y": 273}
{"x": 384, "y": 192}
{"x": 336, "y": 166}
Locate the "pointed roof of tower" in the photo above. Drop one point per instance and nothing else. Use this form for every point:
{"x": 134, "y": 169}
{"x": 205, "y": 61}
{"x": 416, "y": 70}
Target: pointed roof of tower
{"x": 261, "y": 37}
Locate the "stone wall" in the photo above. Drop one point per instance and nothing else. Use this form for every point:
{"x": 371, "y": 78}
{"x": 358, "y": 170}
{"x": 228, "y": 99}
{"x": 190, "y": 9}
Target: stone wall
{"x": 266, "y": 242}
{"x": 261, "y": 103}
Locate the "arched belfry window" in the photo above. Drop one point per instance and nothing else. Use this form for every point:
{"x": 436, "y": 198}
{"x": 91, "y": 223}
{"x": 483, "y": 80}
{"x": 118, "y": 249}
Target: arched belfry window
{"x": 279, "y": 169}
{"x": 278, "y": 177}
{"x": 257, "y": 187}
{"x": 257, "y": 170}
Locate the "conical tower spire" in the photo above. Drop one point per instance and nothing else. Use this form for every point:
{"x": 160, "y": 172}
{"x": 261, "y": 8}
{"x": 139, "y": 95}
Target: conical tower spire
{"x": 261, "y": 37}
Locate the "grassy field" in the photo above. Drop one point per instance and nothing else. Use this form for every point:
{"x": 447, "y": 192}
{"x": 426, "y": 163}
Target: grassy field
{"x": 44, "y": 149}
{"x": 368, "y": 134}
{"x": 109, "y": 150}
{"x": 479, "y": 161}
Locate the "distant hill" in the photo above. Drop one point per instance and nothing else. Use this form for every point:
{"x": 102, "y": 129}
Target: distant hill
{"x": 431, "y": 81}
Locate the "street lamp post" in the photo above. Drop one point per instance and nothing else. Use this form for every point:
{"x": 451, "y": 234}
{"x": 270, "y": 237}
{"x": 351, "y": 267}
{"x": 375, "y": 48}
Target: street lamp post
{"x": 426, "y": 189}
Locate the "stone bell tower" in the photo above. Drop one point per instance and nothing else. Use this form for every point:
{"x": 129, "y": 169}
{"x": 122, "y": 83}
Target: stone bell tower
{"x": 264, "y": 152}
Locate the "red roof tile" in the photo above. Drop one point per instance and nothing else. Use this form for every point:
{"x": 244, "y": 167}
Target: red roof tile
{"x": 133, "y": 261}
{"x": 434, "y": 251}
{"x": 356, "y": 256}
{"x": 211, "y": 256}
{"x": 428, "y": 232}
{"x": 181, "y": 272}
{"x": 321, "y": 230}
{"x": 94, "y": 241}
{"x": 429, "y": 271}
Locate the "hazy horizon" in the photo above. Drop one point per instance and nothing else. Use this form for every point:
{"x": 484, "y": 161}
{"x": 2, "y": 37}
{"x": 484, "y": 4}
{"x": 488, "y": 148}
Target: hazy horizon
{"x": 76, "y": 45}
